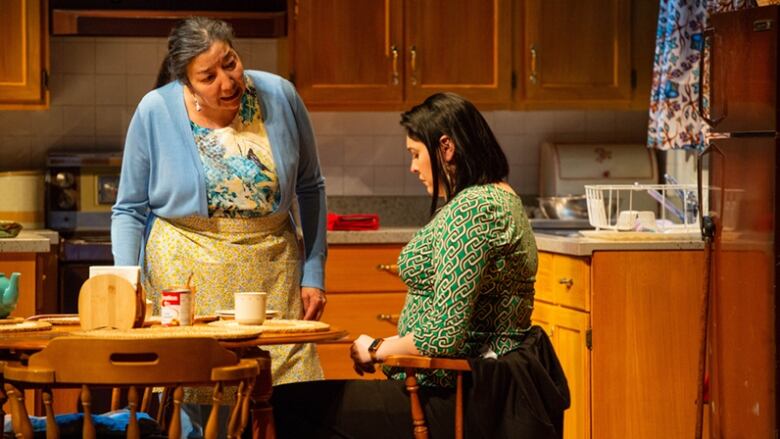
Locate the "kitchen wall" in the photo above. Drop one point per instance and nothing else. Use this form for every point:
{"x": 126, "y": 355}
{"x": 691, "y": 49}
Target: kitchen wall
{"x": 96, "y": 83}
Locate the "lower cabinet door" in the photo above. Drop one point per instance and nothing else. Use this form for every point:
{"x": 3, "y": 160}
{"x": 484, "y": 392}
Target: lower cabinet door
{"x": 567, "y": 329}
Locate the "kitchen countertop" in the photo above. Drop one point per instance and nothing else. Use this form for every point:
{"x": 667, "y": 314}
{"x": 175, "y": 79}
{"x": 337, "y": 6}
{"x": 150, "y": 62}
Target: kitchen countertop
{"x": 569, "y": 245}
{"x": 29, "y": 241}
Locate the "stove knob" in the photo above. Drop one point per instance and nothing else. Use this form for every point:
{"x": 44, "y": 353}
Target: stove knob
{"x": 64, "y": 179}
{"x": 66, "y": 201}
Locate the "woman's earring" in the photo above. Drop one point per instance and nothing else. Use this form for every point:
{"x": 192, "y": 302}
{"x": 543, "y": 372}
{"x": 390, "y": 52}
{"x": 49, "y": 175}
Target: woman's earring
{"x": 197, "y": 104}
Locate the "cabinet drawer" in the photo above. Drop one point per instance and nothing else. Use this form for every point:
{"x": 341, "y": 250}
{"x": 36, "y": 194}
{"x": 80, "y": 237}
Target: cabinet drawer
{"x": 358, "y": 313}
{"x": 337, "y": 365}
{"x": 563, "y": 280}
{"x": 354, "y": 268}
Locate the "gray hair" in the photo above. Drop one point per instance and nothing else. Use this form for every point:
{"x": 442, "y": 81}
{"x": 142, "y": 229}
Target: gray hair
{"x": 188, "y": 39}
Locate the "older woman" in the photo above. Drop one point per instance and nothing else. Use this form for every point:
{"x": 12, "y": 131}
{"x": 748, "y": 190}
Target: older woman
{"x": 470, "y": 276}
{"x": 220, "y": 171}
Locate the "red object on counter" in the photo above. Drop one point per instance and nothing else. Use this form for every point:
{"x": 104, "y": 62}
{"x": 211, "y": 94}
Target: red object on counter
{"x": 355, "y": 221}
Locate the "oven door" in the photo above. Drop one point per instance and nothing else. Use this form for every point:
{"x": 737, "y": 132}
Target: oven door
{"x": 77, "y": 256}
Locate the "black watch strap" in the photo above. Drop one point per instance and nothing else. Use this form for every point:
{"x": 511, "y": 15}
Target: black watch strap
{"x": 373, "y": 347}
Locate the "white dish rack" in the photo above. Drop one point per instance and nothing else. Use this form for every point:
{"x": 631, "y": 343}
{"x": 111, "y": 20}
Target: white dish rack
{"x": 624, "y": 207}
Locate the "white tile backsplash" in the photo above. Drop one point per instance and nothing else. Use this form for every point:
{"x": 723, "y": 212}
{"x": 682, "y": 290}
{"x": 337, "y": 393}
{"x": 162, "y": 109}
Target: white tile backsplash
{"x": 78, "y": 56}
{"x": 358, "y": 180}
{"x": 109, "y": 121}
{"x": 110, "y": 57}
{"x": 97, "y": 82}
{"x": 110, "y": 90}
{"x": 78, "y": 121}
{"x": 73, "y": 89}
{"x": 389, "y": 180}
{"x": 142, "y": 59}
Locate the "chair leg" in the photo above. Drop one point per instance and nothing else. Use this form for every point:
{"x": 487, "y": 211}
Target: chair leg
{"x": 459, "y": 406}
{"x": 116, "y": 397}
{"x": 133, "y": 431}
{"x": 212, "y": 425}
{"x": 418, "y": 415}
{"x": 19, "y": 420}
{"x": 88, "y": 429}
{"x": 174, "y": 429}
{"x": 52, "y": 429}
{"x": 146, "y": 400}
{"x": 234, "y": 423}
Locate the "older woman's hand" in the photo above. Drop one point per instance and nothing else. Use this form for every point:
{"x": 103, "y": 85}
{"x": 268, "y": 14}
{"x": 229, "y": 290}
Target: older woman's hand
{"x": 314, "y": 301}
{"x": 360, "y": 355}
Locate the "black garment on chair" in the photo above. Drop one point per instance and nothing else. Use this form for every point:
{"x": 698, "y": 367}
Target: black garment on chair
{"x": 534, "y": 388}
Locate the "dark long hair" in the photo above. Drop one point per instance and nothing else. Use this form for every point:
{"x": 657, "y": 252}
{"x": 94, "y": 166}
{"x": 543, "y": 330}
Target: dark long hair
{"x": 478, "y": 156}
{"x": 188, "y": 39}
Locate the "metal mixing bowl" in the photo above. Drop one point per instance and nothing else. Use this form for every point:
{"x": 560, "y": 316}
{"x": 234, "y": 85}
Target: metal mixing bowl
{"x": 565, "y": 208}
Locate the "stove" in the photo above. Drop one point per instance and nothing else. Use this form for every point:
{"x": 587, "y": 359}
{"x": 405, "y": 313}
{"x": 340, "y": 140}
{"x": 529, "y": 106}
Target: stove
{"x": 81, "y": 187}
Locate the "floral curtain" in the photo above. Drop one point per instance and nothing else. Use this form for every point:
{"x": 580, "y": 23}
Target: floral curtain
{"x": 674, "y": 120}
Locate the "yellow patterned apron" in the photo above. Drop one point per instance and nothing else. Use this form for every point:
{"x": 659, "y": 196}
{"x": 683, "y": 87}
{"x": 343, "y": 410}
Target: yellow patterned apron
{"x": 228, "y": 255}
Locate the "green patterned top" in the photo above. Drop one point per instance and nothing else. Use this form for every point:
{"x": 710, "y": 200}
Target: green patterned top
{"x": 470, "y": 273}
{"x": 241, "y": 179}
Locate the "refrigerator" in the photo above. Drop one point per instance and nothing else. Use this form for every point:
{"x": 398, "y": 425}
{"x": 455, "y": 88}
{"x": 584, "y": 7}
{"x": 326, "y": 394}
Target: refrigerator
{"x": 740, "y": 92}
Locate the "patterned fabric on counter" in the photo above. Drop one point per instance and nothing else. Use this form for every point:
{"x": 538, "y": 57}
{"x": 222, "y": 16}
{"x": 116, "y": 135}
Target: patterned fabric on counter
{"x": 674, "y": 118}
{"x": 228, "y": 255}
{"x": 470, "y": 274}
{"x": 241, "y": 179}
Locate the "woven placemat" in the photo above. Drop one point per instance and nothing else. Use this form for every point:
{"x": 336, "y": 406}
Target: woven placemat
{"x": 61, "y": 321}
{"x": 277, "y": 326}
{"x": 156, "y": 331}
{"x": 26, "y": 326}
{"x": 11, "y": 320}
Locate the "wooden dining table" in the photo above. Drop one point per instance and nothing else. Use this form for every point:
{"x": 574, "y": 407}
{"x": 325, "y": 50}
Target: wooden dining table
{"x": 18, "y": 346}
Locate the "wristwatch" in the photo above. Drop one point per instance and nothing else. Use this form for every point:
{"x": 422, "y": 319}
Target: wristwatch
{"x": 373, "y": 347}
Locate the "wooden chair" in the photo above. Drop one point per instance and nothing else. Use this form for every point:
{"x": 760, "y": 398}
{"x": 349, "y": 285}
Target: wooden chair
{"x": 411, "y": 364}
{"x": 91, "y": 362}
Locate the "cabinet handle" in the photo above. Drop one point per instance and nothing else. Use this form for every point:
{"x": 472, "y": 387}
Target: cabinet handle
{"x": 389, "y": 268}
{"x": 389, "y": 318}
{"x": 533, "y": 77}
{"x": 569, "y": 282}
{"x": 413, "y": 60}
{"x": 396, "y": 76}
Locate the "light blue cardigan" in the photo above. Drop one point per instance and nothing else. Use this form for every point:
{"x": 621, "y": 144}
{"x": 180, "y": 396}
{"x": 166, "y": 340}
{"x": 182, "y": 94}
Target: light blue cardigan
{"x": 162, "y": 174}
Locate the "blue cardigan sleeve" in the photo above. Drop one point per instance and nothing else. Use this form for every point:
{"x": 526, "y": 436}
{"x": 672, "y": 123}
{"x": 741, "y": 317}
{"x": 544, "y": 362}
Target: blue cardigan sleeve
{"x": 130, "y": 213}
{"x": 310, "y": 189}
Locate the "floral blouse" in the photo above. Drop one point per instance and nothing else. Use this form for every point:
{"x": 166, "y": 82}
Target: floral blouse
{"x": 241, "y": 179}
{"x": 470, "y": 274}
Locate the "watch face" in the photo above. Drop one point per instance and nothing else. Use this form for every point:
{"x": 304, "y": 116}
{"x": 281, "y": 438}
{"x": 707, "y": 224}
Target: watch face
{"x": 375, "y": 344}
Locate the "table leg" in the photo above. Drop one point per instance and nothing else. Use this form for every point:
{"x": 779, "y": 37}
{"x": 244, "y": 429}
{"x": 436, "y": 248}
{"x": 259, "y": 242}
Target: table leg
{"x": 260, "y": 406}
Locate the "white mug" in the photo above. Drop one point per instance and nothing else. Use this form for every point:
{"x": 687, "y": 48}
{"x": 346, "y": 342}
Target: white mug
{"x": 250, "y": 308}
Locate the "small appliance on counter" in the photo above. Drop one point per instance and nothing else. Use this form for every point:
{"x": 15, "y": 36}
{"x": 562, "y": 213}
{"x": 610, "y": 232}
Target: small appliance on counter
{"x": 565, "y": 169}
{"x": 81, "y": 187}
{"x": 21, "y": 198}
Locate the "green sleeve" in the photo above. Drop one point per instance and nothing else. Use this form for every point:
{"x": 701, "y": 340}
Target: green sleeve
{"x": 461, "y": 252}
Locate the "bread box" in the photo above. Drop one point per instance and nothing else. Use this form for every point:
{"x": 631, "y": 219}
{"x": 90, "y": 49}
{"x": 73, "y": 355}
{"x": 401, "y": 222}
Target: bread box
{"x": 565, "y": 168}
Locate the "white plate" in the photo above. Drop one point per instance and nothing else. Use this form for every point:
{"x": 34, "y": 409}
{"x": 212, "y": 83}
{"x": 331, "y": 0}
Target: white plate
{"x": 228, "y": 314}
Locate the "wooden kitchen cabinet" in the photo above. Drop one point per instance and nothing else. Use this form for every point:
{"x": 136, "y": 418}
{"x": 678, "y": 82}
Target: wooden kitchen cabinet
{"x": 391, "y": 54}
{"x": 629, "y": 351}
{"x": 24, "y": 58}
{"x": 573, "y": 53}
{"x": 362, "y": 299}
{"x": 646, "y": 307}
{"x": 561, "y": 305}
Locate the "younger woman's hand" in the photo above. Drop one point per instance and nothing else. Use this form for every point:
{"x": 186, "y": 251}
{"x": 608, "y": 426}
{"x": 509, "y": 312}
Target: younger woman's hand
{"x": 360, "y": 356}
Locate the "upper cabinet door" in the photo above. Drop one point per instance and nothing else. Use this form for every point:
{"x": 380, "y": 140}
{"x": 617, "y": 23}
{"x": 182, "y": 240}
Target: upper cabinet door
{"x": 24, "y": 53}
{"x": 576, "y": 51}
{"x": 348, "y": 52}
{"x": 462, "y": 46}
